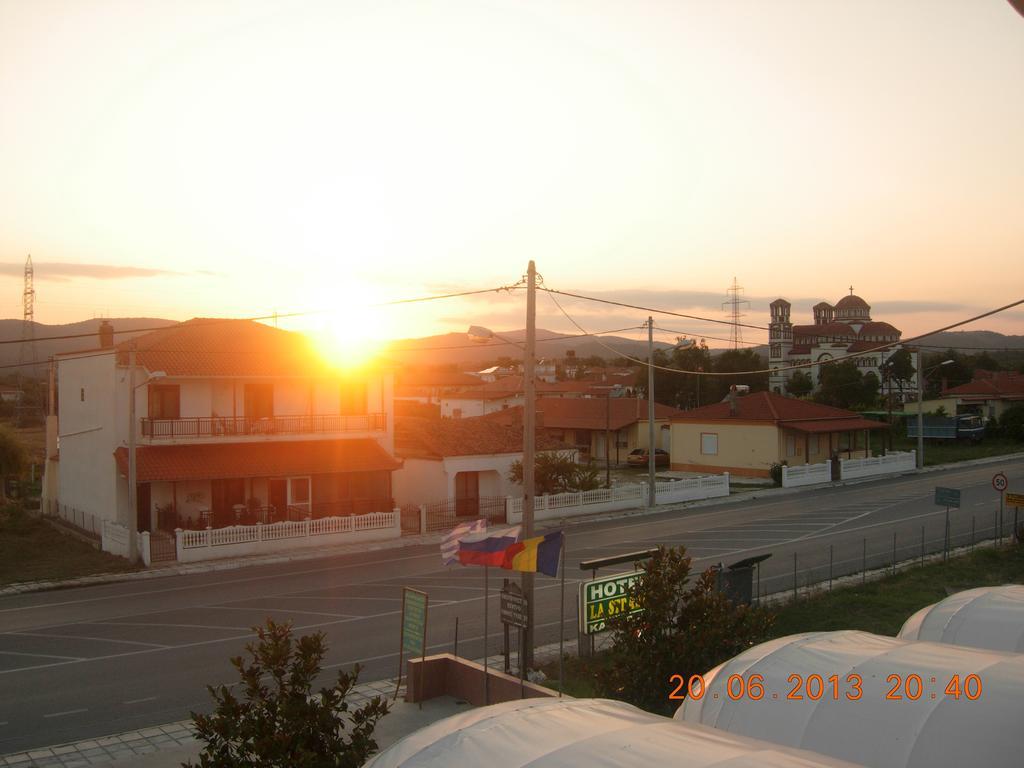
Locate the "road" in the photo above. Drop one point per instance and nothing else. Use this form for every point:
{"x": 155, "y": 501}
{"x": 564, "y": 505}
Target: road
{"x": 86, "y": 662}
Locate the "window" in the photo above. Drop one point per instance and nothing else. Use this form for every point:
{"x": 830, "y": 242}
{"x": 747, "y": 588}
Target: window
{"x": 259, "y": 401}
{"x": 709, "y": 443}
{"x": 790, "y": 445}
{"x": 814, "y": 444}
{"x": 82, "y": 394}
{"x": 164, "y": 401}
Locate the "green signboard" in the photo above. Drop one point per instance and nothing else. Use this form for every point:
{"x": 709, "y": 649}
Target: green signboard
{"x": 947, "y": 497}
{"x": 414, "y": 621}
{"x": 605, "y": 597}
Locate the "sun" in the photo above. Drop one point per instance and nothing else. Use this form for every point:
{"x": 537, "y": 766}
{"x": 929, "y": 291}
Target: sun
{"x": 350, "y": 337}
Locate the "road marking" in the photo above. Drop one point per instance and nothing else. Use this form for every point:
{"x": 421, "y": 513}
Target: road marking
{"x": 41, "y": 655}
{"x": 85, "y": 637}
{"x": 69, "y": 712}
{"x": 139, "y": 701}
{"x": 283, "y": 610}
{"x": 163, "y": 624}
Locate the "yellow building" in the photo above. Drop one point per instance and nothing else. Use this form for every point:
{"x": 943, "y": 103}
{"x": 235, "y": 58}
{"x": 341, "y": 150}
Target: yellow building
{"x": 746, "y": 435}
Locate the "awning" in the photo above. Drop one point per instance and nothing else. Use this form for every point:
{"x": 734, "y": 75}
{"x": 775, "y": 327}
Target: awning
{"x": 263, "y": 459}
{"x": 833, "y": 425}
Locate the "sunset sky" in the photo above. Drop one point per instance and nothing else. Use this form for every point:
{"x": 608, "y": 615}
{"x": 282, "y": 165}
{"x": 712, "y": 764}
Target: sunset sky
{"x": 237, "y": 158}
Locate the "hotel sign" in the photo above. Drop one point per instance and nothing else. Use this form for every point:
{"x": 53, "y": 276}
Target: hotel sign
{"x": 606, "y": 597}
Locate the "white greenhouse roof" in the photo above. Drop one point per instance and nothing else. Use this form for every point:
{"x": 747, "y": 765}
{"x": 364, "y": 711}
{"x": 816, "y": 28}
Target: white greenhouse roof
{"x": 578, "y": 733}
{"x": 935, "y": 729}
{"x": 987, "y": 617}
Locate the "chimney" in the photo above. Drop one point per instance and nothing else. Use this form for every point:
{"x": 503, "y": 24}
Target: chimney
{"x": 106, "y": 335}
{"x": 732, "y": 400}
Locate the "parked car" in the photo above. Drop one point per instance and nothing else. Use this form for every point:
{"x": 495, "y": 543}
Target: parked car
{"x": 639, "y": 458}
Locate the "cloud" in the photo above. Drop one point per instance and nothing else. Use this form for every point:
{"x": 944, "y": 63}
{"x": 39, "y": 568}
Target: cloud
{"x": 62, "y": 271}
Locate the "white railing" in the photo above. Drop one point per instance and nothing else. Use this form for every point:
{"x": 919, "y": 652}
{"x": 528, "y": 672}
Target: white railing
{"x": 806, "y": 474}
{"x": 251, "y": 539}
{"x": 903, "y": 461}
{"x": 619, "y": 497}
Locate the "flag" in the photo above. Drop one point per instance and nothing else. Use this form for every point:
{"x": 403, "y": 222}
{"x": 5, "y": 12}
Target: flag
{"x": 450, "y": 543}
{"x": 540, "y": 554}
{"x": 487, "y": 548}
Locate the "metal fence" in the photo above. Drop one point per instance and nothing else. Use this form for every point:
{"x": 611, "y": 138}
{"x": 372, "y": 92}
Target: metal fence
{"x": 886, "y": 549}
{"x": 445, "y": 515}
{"x": 85, "y": 522}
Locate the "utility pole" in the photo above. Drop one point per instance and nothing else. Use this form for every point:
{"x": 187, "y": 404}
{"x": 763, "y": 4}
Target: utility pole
{"x": 529, "y": 445}
{"x": 920, "y": 412}
{"x": 133, "y": 503}
{"x": 651, "y": 494}
{"x": 607, "y": 439}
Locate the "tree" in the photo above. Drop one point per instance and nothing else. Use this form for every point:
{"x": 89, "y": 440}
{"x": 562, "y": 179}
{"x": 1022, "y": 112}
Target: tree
{"x": 800, "y": 384}
{"x": 278, "y": 721}
{"x": 842, "y": 384}
{"x": 731, "y": 362}
{"x": 899, "y": 370}
{"x": 680, "y": 630}
{"x": 1011, "y": 423}
{"x": 13, "y": 457}
{"x": 869, "y": 390}
{"x": 558, "y": 472}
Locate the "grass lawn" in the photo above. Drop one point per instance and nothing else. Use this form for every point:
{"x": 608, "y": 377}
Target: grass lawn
{"x": 949, "y": 451}
{"x": 31, "y": 549}
{"x": 879, "y": 606}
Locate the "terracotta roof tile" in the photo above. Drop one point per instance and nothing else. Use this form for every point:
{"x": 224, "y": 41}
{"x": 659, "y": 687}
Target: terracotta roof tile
{"x": 991, "y": 383}
{"x": 589, "y": 413}
{"x": 479, "y": 436}
{"x": 767, "y": 406}
{"x": 215, "y": 461}
{"x": 213, "y": 347}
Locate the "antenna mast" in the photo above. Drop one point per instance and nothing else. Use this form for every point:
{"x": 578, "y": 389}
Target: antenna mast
{"x": 734, "y": 303}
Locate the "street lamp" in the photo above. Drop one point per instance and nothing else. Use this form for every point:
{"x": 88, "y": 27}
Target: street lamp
{"x": 133, "y": 533}
{"x": 921, "y": 376}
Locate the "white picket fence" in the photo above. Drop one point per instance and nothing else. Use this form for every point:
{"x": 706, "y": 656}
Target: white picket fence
{"x": 904, "y": 461}
{"x": 560, "y": 505}
{"x": 238, "y": 540}
{"x": 806, "y": 474}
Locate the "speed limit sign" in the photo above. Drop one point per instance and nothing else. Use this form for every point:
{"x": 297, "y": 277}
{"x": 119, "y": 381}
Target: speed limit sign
{"x": 999, "y": 482}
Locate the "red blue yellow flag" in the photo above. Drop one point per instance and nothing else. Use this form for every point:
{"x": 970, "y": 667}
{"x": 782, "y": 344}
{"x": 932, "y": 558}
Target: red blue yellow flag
{"x": 537, "y": 555}
{"x": 487, "y": 548}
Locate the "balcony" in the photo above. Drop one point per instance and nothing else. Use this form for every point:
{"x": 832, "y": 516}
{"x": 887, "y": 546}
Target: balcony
{"x": 242, "y": 426}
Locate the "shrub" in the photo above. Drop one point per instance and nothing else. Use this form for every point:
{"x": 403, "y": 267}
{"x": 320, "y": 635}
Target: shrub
{"x": 1011, "y": 423}
{"x": 684, "y": 631}
{"x": 776, "y": 472}
{"x": 278, "y": 721}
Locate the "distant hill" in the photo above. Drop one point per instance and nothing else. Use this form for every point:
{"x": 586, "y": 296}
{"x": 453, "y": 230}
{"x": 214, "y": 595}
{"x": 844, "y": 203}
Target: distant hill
{"x": 11, "y": 331}
{"x": 973, "y": 341}
{"x": 457, "y": 349}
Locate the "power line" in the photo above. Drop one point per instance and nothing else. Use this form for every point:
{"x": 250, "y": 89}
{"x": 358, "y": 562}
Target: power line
{"x": 650, "y": 309}
{"x": 274, "y": 316}
{"x": 704, "y": 336}
{"x": 799, "y": 366}
{"x": 513, "y": 343}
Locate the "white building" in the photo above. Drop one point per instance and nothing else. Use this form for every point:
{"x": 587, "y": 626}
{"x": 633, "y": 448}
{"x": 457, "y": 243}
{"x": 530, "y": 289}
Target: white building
{"x": 838, "y": 331}
{"x": 235, "y": 422}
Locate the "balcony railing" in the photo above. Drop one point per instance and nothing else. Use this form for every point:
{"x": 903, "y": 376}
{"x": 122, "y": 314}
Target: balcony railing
{"x": 228, "y": 426}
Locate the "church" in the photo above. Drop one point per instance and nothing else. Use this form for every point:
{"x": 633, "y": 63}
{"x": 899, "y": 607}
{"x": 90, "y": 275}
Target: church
{"x": 837, "y": 331}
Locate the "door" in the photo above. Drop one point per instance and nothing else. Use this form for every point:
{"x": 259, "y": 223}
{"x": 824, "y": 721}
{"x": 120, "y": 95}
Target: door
{"x": 299, "y": 496}
{"x": 279, "y": 497}
{"x": 467, "y": 493}
{"x": 143, "y": 505}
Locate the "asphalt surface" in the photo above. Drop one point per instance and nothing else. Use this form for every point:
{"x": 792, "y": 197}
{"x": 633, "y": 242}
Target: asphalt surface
{"x": 79, "y": 663}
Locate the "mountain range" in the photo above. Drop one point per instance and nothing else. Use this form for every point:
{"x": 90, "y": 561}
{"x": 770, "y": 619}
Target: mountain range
{"x": 442, "y": 349}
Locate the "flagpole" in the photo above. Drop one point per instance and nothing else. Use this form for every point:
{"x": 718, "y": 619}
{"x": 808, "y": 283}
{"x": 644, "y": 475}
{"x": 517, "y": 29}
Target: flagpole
{"x": 486, "y": 673}
{"x": 561, "y": 627}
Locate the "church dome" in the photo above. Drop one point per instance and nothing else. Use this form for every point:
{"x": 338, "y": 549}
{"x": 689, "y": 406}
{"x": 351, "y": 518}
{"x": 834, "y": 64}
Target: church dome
{"x": 852, "y": 302}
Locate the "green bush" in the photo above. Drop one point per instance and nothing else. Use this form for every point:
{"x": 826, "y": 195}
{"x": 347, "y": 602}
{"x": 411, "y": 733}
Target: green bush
{"x": 680, "y": 631}
{"x": 1011, "y": 423}
{"x": 278, "y": 721}
{"x": 776, "y": 472}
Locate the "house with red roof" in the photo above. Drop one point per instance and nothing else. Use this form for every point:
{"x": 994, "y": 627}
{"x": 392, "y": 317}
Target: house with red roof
{"x": 746, "y": 435}
{"x": 235, "y": 422}
{"x": 840, "y": 331}
{"x": 988, "y": 394}
{"x": 599, "y": 428}
{"x": 466, "y": 460}
{"x": 508, "y": 392}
